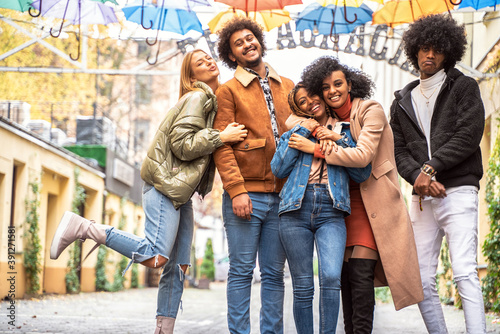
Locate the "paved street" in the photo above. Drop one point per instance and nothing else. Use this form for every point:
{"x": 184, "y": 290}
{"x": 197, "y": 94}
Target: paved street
{"x": 204, "y": 312}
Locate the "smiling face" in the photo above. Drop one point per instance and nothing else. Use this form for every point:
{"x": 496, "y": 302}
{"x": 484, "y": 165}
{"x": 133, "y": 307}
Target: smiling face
{"x": 430, "y": 61}
{"x": 311, "y": 104}
{"x": 246, "y": 50}
{"x": 335, "y": 89}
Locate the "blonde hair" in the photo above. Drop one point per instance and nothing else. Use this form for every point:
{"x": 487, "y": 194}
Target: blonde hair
{"x": 186, "y": 85}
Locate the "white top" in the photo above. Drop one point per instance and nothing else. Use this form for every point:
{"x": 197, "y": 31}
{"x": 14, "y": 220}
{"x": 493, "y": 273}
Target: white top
{"x": 423, "y": 98}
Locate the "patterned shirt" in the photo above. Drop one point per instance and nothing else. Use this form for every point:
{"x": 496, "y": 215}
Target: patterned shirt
{"x": 264, "y": 83}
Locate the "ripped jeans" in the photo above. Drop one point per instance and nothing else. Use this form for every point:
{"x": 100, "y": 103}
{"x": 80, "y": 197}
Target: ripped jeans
{"x": 455, "y": 216}
{"x": 169, "y": 233}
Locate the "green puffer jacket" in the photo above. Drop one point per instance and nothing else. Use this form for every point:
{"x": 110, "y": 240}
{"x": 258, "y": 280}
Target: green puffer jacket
{"x": 179, "y": 160}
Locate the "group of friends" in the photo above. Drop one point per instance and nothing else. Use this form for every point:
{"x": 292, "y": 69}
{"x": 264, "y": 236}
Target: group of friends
{"x": 315, "y": 165}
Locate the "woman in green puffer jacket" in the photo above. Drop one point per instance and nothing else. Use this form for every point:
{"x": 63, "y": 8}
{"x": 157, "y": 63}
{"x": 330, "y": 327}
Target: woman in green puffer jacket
{"x": 178, "y": 163}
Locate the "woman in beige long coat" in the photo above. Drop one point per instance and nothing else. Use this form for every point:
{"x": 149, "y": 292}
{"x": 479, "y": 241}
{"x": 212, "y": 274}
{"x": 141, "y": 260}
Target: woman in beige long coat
{"x": 380, "y": 248}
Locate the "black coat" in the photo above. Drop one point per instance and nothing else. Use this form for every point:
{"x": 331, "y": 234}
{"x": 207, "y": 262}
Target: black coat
{"x": 457, "y": 127}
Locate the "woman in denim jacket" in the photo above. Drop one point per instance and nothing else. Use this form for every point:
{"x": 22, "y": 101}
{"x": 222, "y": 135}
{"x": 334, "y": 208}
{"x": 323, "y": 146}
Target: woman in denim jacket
{"x": 314, "y": 202}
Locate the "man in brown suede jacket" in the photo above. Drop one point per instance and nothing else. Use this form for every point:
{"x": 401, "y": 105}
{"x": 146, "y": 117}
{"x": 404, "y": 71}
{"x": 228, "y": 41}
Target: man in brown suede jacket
{"x": 257, "y": 98}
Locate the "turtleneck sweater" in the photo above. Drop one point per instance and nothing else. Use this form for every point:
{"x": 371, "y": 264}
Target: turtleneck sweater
{"x": 423, "y": 98}
{"x": 344, "y": 112}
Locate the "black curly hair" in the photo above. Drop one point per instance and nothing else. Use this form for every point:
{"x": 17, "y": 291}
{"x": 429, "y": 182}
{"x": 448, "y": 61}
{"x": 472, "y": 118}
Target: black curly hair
{"x": 314, "y": 74}
{"x": 439, "y": 31}
{"x": 236, "y": 24}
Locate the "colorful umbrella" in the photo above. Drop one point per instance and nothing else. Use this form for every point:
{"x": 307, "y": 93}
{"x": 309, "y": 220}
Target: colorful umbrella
{"x": 76, "y": 12}
{"x": 479, "y": 4}
{"x": 165, "y": 18}
{"x": 332, "y": 19}
{"x": 268, "y": 19}
{"x": 396, "y": 12}
{"x": 258, "y": 5}
{"x": 104, "y": 1}
{"x": 19, "y": 5}
{"x": 132, "y": 10}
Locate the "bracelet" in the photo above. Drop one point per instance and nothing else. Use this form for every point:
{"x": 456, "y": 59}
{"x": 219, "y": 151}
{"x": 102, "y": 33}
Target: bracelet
{"x": 428, "y": 170}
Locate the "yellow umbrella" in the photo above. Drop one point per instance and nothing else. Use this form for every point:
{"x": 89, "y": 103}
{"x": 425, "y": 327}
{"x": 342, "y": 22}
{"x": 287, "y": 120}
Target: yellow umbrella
{"x": 268, "y": 19}
{"x": 396, "y": 12}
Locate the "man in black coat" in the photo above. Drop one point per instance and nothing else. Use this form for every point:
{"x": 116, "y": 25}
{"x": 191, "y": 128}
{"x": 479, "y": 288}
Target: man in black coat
{"x": 438, "y": 123}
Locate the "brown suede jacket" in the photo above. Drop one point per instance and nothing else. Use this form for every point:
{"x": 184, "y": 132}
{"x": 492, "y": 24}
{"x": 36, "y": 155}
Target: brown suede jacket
{"x": 246, "y": 166}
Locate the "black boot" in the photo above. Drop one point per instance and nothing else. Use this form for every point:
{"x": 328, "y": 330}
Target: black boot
{"x": 361, "y": 275}
{"x": 345, "y": 288}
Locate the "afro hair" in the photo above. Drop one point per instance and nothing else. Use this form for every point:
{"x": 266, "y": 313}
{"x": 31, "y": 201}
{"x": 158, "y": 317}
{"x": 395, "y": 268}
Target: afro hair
{"x": 236, "y": 24}
{"x": 314, "y": 74}
{"x": 441, "y": 32}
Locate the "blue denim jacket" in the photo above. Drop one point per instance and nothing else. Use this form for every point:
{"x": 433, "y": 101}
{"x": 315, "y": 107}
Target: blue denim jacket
{"x": 296, "y": 165}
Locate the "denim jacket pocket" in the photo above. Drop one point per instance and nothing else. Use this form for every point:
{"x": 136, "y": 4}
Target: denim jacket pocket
{"x": 382, "y": 169}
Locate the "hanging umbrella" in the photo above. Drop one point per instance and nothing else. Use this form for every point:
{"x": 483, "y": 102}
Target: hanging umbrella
{"x": 332, "y": 19}
{"x": 76, "y": 12}
{"x": 479, "y": 4}
{"x": 135, "y": 12}
{"x": 396, "y": 12}
{"x": 104, "y": 1}
{"x": 19, "y": 5}
{"x": 163, "y": 18}
{"x": 258, "y": 5}
{"x": 268, "y": 19}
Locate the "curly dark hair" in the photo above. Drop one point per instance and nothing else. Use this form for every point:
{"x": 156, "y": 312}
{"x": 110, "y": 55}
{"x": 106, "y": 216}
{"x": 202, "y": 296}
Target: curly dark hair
{"x": 236, "y": 24}
{"x": 441, "y": 32}
{"x": 314, "y": 74}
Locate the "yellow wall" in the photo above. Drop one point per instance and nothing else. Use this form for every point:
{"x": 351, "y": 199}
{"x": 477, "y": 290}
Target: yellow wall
{"x": 54, "y": 171}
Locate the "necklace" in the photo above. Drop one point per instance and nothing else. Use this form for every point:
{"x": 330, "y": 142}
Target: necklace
{"x": 428, "y": 98}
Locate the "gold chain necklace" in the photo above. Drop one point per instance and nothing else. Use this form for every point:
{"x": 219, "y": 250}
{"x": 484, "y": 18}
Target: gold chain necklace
{"x": 428, "y": 98}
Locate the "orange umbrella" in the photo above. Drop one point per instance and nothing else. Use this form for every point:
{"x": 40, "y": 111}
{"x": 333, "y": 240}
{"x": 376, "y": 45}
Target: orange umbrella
{"x": 257, "y": 5}
{"x": 268, "y": 19}
{"x": 396, "y": 12}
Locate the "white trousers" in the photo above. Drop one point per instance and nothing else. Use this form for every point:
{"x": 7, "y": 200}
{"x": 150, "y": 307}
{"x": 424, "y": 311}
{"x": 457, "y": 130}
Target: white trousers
{"x": 455, "y": 216}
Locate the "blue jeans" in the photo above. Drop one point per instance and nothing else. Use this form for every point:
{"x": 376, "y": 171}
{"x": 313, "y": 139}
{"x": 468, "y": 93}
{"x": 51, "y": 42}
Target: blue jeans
{"x": 245, "y": 240}
{"x": 316, "y": 221}
{"x": 169, "y": 233}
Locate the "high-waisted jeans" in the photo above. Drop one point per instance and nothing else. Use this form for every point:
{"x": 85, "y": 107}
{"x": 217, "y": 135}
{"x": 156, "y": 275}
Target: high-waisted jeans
{"x": 245, "y": 239}
{"x": 169, "y": 233}
{"x": 317, "y": 221}
{"x": 455, "y": 216}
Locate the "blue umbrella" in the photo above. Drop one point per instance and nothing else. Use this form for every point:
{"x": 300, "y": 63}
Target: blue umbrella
{"x": 163, "y": 17}
{"x": 332, "y": 19}
{"x": 478, "y": 4}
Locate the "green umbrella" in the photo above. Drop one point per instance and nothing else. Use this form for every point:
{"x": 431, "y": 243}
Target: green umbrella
{"x": 19, "y": 5}
{"x": 103, "y": 1}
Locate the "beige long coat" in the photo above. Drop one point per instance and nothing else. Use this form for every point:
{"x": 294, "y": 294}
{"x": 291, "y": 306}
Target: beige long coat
{"x": 383, "y": 200}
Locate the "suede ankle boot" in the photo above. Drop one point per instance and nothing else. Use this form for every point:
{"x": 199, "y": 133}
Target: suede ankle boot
{"x": 164, "y": 325}
{"x": 361, "y": 275}
{"x": 345, "y": 288}
{"x": 73, "y": 227}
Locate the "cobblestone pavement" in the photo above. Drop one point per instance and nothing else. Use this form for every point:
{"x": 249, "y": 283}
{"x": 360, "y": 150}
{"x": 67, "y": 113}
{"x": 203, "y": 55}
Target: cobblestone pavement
{"x": 204, "y": 312}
